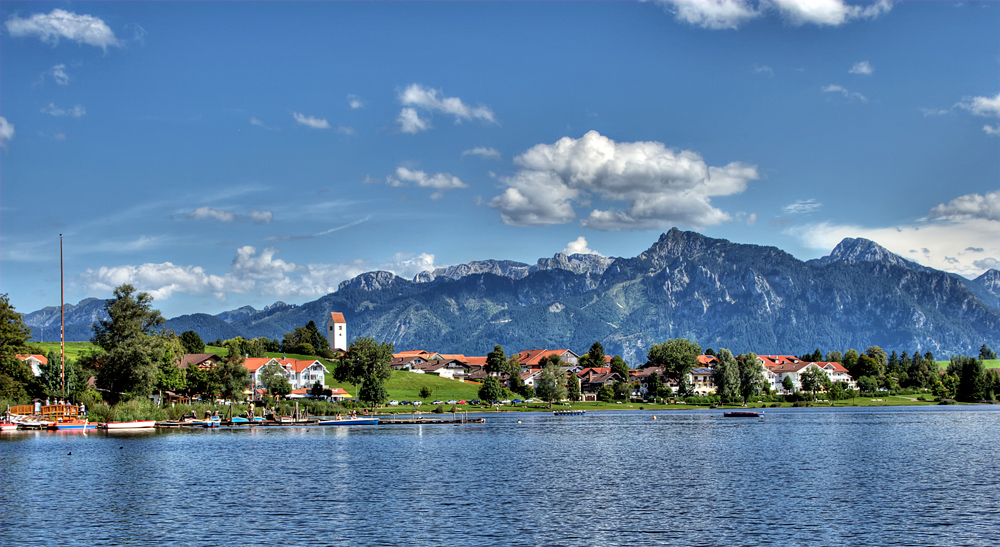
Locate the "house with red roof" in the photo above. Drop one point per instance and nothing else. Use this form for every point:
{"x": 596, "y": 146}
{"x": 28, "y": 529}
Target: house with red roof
{"x": 336, "y": 331}
{"x": 34, "y": 362}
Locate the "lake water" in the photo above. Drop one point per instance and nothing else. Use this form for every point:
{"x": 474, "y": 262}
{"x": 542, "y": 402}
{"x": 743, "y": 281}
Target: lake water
{"x": 848, "y": 476}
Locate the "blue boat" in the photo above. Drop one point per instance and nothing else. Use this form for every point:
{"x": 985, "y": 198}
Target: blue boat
{"x": 238, "y": 420}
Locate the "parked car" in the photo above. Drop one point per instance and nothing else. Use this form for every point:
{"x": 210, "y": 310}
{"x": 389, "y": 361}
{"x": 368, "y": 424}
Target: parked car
{"x": 393, "y": 403}
{"x": 505, "y": 402}
{"x": 438, "y": 403}
{"x": 462, "y": 402}
{"x": 417, "y": 403}
{"x": 476, "y": 401}
{"x": 404, "y": 402}
{"x": 517, "y": 401}
{"x": 452, "y": 402}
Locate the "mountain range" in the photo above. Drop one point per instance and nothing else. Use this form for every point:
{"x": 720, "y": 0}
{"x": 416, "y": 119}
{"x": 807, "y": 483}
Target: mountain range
{"x": 717, "y": 293}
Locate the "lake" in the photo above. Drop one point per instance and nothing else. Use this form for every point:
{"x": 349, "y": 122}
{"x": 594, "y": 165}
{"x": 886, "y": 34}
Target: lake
{"x": 811, "y": 476}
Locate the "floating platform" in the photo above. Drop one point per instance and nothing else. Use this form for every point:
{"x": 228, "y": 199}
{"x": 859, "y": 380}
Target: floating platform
{"x": 569, "y": 412}
{"x": 743, "y": 414}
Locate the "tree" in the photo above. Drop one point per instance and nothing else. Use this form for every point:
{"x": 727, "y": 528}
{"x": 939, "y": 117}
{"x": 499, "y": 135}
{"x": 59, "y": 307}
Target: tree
{"x": 232, "y": 376}
{"x": 810, "y": 381}
{"x": 834, "y": 357}
{"x": 594, "y": 356}
{"x": 620, "y": 367}
{"x": 549, "y": 385}
{"x": 170, "y": 377}
{"x": 268, "y": 375}
{"x": 727, "y": 376}
{"x": 316, "y": 338}
{"x": 426, "y": 392}
{"x": 851, "y": 362}
{"x": 867, "y": 384}
{"x": 655, "y": 386}
{"x": 623, "y": 390}
{"x": 971, "y": 378}
{"x": 131, "y": 344}
{"x": 366, "y": 362}
{"x": 838, "y": 391}
{"x": 751, "y": 375}
{"x": 496, "y": 360}
{"x": 491, "y": 390}
{"x": 606, "y": 394}
{"x": 878, "y": 354}
{"x": 572, "y": 387}
{"x": 986, "y": 353}
{"x": 677, "y": 357}
{"x": 191, "y": 342}
{"x": 788, "y": 384}
{"x": 512, "y": 368}
{"x": 868, "y": 366}
{"x": 16, "y": 379}
{"x": 281, "y": 387}
{"x": 316, "y": 390}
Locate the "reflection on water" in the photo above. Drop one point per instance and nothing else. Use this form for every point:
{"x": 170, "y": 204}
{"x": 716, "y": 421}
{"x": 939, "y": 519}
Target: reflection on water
{"x": 865, "y": 476}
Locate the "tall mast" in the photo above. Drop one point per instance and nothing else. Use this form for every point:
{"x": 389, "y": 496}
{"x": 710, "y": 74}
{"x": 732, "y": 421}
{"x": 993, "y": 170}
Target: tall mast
{"x": 62, "y": 322}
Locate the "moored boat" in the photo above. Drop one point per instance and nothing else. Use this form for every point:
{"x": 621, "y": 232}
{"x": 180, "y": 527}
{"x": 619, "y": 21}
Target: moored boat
{"x": 743, "y": 414}
{"x": 8, "y": 426}
{"x": 71, "y": 425}
{"x": 135, "y": 424}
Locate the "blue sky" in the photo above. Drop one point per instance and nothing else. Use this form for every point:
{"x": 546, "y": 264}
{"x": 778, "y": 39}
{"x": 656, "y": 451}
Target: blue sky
{"x": 220, "y": 154}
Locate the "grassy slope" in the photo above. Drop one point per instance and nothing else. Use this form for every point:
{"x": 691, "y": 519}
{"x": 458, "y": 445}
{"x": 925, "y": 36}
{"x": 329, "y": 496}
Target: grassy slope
{"x": 989, "y": 363}
{"x": 73, "y": 349}
{"x": 405, "y": 386}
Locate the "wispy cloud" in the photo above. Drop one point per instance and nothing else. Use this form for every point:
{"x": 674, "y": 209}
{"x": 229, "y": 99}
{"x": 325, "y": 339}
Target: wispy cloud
{"x": 355, "y": 102}
{"x": 76, "y": 112}
{"x": 258, "y": 123}
{"x": 732, "y": 14}
{"x": 256, "y": 216}
{"x": 863, "y": 67}
{"x": 309, "y": 121}
{"x": 58, "y": 73}
{"x": 482, "y": 152}
{"x": 802, "y": 206}
{"x": 6, "y": 131}
{"x": 61, "y": 24}
{"x": 416, "y": 96}
{"x": 833, "y": 88}
{"x": 763, "y": 69}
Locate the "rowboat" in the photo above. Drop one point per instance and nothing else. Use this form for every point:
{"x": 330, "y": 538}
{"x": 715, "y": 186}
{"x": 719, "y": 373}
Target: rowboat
{"x": 135, "y": 424}
{"x": 743, "y": 414}
{"x": 8, "y": 426}
{"x": 239, "y": 420}
{"x": 350, "y": 421}
{"x": 72, "y": 425}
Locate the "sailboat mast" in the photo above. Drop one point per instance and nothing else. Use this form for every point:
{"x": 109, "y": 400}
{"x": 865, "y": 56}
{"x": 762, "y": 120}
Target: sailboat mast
{"x": 62, "y": 321}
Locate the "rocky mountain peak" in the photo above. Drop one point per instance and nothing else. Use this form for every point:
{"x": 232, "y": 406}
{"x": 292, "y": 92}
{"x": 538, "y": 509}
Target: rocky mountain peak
{"x": 856, "y": 250}
{"x": 371, "y": 281}
{"x": 577, "y": 263}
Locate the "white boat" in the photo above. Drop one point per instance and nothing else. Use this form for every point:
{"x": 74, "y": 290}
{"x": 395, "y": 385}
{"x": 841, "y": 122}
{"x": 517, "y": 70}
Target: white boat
{"x": 8, "y": 426}
{"x": 136, "y": 424}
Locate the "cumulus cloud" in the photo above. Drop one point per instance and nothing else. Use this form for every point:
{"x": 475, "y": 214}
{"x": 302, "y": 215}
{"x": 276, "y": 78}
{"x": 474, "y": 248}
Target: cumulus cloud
{"x": 416, "y": 96}
{"x": 991, "y": 130}
{"x": 828, "y": 12}
{"x": 712, "y": 14}
{"x": 844, "y": 91}
{"x": 309, "y": 121}
{"x": 802, "y": 206}
{"x": 662, "y": 187}
{"x": 969, "y": 206}
{"x": 982, "y": 106}
{"x": 732, "y": 14}
{"x": 438, "y": 181}
{"x": 411, "y": 122}
{"x": 161, "y": 280}
{"x": 59, "y": 24}
{"x": 482, "y": 152}
{"x": 863, "y": 67}
{"x": 207, "y": 212}
{"x": 355, "y": 102}
{"x": 59, "y": 74}
{"x": 76, "y": 112}
{"x": 260, "y": 217}
{"x": 579, "y": 247}
{"x": 6, "y": 131}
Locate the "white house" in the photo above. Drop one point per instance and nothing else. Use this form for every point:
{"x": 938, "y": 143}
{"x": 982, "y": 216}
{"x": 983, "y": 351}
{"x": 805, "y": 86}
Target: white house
{"x": 301, "y": 374}
{"x": 336, "y": 331}
{"x": 35, "y": 362}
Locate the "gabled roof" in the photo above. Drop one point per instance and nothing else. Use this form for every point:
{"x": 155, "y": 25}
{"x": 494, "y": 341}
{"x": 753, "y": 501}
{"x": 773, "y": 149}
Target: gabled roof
{"x": 197, "y": 359}
{"x": 707, "y": 359}
{"x": 253, "y": 364}
{"x": 475, "y": 361}
{"x": 337, "y": 317}
{"x": 40, "y": 358}
{"x": 298, "y": 365}
{"x": 835, "y": 367}
{"x": 593, "y": 370}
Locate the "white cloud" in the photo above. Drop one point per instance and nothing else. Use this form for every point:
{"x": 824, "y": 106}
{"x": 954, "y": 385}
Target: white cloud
{"x": 579, "y": 247}
{"x": 433, "y": 100}
{"x": 344, "y": 130}
{"x": 732, "y": 14}
{"x": 711, "y": 14}
{"x": 482, "y": 152}
{"x": 862, "y": 67}
{"x": 76, "y": 112}
{"x": 763, "y": 69}
{"x": 355, "y": 102}
{"x": 207, "y": 212}
{"x": 50, "y": 28}
{"x": 802, "y": 206}
{"x": 438, "y": 181}
{"x": 257, "y": 122}
{"x": 845, "y": 92}
{"x": 250, "y": 272}
{"x": 969, "y": 206}
{"x": 662, "y": 187}
{"x": 828, "y": 12}
{"x": 309, "y": 121}
{"x": 59, "y": 74}
{"x": 991, "y": 130}
{"x": 982, "y": 106}
{"x": 261, "y": 217}
{"x": 6, "y": 131}
{"x": 410, "y": 121}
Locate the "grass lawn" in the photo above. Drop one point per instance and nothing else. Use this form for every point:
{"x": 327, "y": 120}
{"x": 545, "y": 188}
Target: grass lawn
{"x": 73, "y": 349}
{"x": 405, "y": 386}
{"x": 988, "y": 363}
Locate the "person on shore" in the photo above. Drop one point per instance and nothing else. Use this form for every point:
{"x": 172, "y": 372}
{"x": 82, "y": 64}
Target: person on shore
{"x": 83, "y": 409}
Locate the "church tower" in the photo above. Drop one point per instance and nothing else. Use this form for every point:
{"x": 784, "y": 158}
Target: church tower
{"x": 336, "y": 332}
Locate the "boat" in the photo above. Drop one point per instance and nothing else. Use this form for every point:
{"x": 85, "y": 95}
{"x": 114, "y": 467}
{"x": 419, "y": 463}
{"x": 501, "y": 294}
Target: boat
{"x": 743, "y": 414}
{"x": 239, "y": 420}
{"x": 350, "y": 421}
{"x": 72, "y": 425}
{"x": 569, "y": 412}
{"x": 8, "y": 426}
{"x": 135, "y": 424}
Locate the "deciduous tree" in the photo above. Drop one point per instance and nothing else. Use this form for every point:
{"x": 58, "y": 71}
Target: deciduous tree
{"x": 191, "y": 342}
{"x": 131, "y": 343}
{"x": 727, "y": 376}
{"x": 550, "y": 386}
{"x": 496, "y": 360}
{"x": 751, "y": 375}
{"x": 677, "y": 356}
